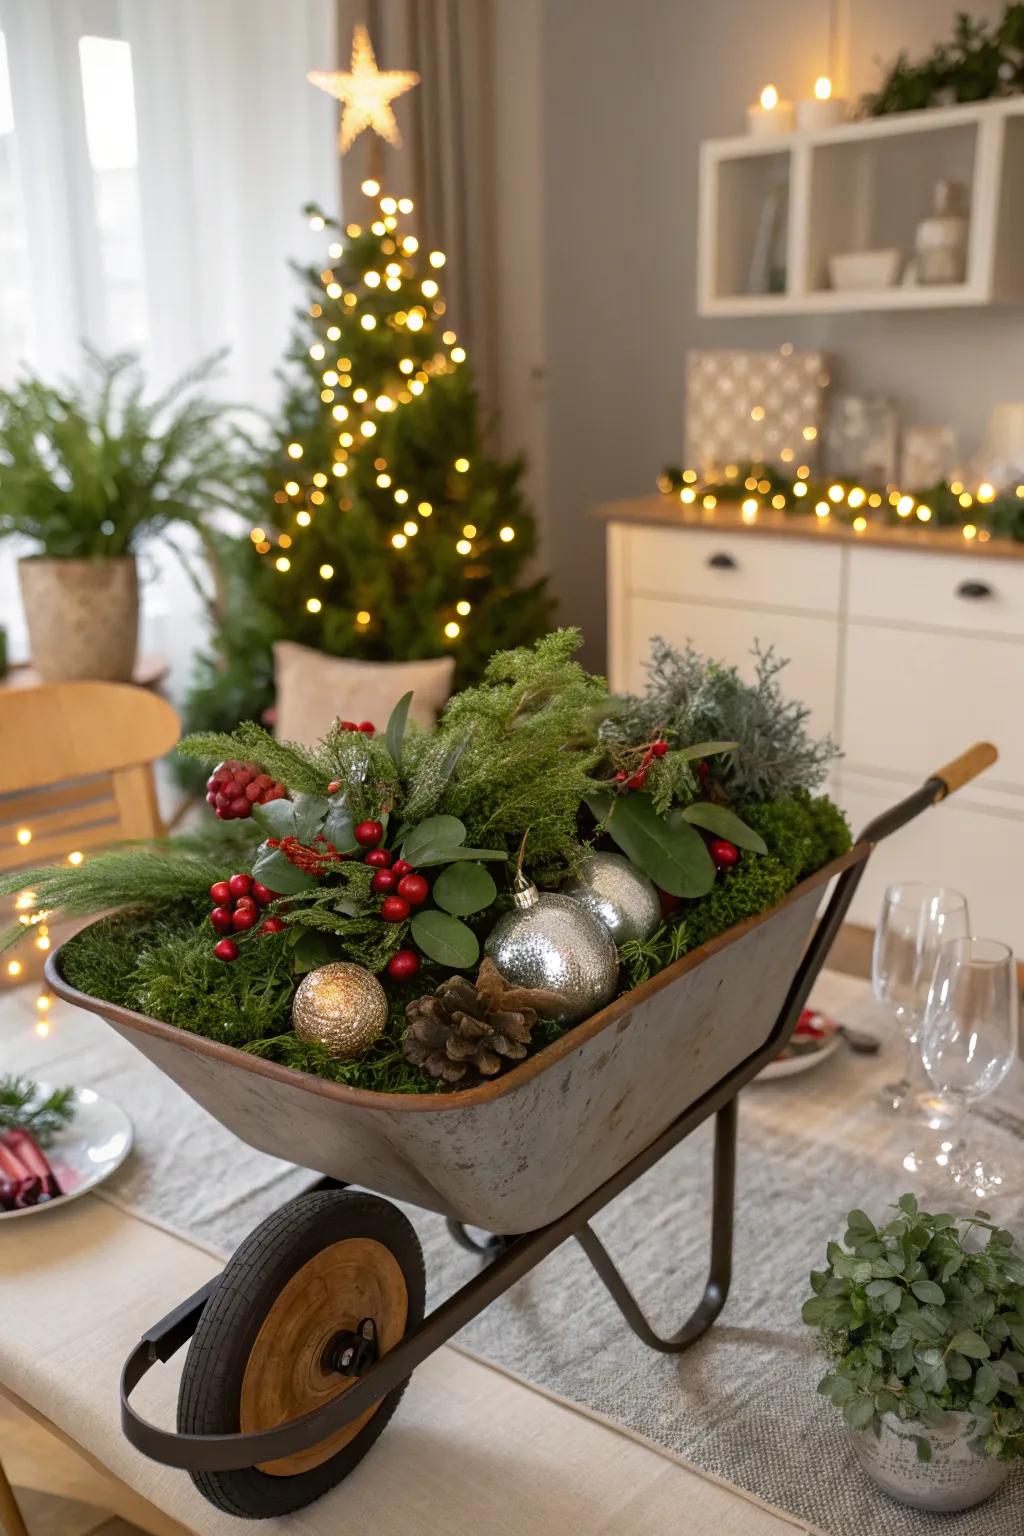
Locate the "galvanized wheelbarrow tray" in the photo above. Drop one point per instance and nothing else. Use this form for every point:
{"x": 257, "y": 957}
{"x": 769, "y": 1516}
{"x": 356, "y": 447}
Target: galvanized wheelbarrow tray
{"x": 302, "y": 1347}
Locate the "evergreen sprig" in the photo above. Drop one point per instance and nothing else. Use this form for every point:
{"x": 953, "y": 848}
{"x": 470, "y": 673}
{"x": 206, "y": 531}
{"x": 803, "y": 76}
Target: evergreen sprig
{"x": 21, "y": 1108}
{"x": 293, "y": 765}
{"x": 689, "y": 699}
{"x": 981, "y": 61}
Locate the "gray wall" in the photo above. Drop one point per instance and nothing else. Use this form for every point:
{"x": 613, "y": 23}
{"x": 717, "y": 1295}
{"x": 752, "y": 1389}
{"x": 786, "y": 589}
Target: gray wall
{"x": 628, "y": 90}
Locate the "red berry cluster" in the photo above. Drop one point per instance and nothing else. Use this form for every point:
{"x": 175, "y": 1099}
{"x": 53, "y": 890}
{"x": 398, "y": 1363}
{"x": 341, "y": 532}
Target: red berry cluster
{"x": 638, "y": 777}
{"x": 366, "y": 726}
{"x": 313, "y": 858}
{"x": 237, "y": 904}
{"x": 234, "y": 788}
{"x": 399, "y": 885}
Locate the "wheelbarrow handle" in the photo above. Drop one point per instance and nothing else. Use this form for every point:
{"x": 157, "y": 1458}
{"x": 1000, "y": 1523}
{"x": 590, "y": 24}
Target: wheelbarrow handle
{"x": 965, "y": 768}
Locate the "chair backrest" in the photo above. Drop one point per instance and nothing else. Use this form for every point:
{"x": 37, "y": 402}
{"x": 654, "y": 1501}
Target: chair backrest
{"x": 76, "y": 768}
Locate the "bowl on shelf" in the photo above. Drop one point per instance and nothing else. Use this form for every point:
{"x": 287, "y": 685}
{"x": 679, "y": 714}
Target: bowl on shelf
{"x": 865, "y": 269}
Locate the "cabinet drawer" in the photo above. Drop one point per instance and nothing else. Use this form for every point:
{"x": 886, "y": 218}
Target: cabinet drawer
{"x": 914, "y": 699}
{"x": 942, "y": 591}
{"x": 733, "y": 568}
{"x": 728, "y": 634}
{"x": 979, "y": 852}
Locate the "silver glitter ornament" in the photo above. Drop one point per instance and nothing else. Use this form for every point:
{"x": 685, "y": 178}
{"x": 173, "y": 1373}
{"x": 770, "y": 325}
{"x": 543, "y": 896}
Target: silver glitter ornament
{"x": 618, "y": 895}
{"x": 341, "y": 1007}
{"x": 552, "y": 941}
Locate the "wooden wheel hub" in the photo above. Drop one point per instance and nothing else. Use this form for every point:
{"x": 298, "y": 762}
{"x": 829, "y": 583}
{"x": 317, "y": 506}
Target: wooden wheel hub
{"x": 288, "y": 1372}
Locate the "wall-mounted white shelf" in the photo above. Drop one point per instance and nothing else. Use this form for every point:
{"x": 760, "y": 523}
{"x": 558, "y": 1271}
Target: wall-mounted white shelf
{"x": 856, "y": 187}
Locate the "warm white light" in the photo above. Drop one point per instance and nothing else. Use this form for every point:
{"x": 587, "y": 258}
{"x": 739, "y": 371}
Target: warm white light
{"x": 370, "y": 187}
{"x": 428, "y": 288}
{"x": 399, "y": 540}
{"x": 835, "y": 493}
{"x": 451, "y": 629}
{"x": 303, "y": 518}
{"x": 969, "y": 531}
{"x": 313, "y": 604}
{"x": 859, "y": 524}
{"x": 986, "y": 492}
{"x": 464, "y": 547}
{"x": 437, "y": 258}
{"x": 368, "y": 323}
{"x": 800, "y": 488}
{"x": 410, "y": 529}
{"x": 506, "y": 535}
{"x": 415, "y": 321}
{"x": 14, "y": 967}
{"x": 458, "y": 354}
{"x": 463, "y": 607}
{"x": 924, "y": 514}
{"x": 462, "y": 465}
{"x": 904, "y": 506}
{"x": 327, "y": 571}
{"x": 757, "y": 413}
{"x": 687, "y": 494}
{"x": 368, "y": 428}
{"x": 469, "y": 531}
{"x": 292, "y": 487}
{"x": 317, "y": 351}
{"x": 384, "y": 403}
{"x": 424, "y": 509}
{"x": 406, "y": 365}
{"x": 388, "y": 205}
{"x": 769, "y": 98}
{"x": 371, "y": 279}
{"x": 24, "y": 836}
{"x": 810, "y": 433}
{"x": 362, "y": 617}
{"x": 822, "y": 509}
{"x": 295, "y": 450}
{"x": 401, "y": 497}
{"x": 405, "y": 205}
{"x": 334, "y": 290}
{"x": 340, "y": 412}
{"x": 43, "y": 1001}
{"x": 283, "y": 563}
{"x": 857, "y": 497}
{"x": 823, "y": 87}
{"x": 75, "y": 858}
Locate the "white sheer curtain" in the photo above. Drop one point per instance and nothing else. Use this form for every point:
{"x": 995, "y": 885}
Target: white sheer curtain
{"x": 154, "y": 159}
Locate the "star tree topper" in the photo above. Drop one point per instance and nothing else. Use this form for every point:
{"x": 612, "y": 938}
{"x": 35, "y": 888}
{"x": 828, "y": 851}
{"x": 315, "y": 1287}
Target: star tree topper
{"x": 366, "y": 92}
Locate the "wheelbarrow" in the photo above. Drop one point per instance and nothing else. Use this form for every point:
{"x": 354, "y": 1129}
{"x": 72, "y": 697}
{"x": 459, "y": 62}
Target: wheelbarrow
{"x": 301, "y": 1348}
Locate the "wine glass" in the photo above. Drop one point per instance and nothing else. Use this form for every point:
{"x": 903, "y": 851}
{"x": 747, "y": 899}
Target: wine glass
{"x": 969, "y": 1040}
{"x": 916, "y": 920}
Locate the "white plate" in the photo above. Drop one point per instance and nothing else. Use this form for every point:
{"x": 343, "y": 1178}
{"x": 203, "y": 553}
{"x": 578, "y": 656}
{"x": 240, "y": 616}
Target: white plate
{"x": 789, "y": 1066}
{"x": 85, "y": 1152}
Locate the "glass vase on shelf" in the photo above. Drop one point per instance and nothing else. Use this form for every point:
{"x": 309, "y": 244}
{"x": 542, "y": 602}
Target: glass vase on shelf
{"x": 915, "y": 921}
{"x": 969, "y": 1042}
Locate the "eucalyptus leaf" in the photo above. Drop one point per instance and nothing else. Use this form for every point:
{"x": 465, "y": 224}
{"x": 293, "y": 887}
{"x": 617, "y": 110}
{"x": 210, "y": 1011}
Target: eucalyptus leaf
{"x": 668, "y": 850}
{"x": 275, "y": 871}
{"x": 394, "y": 736}
{"x": 433, "y": 833}
{"x": 705, "y": 749}
{"x": 724, "y": 823}
{"x": 276, "y": 818}
{"x": 445, "y": 939}
{"x": 338, "y": 828}
{"x": 310, "y": 813}
{"x": 464, "y": 888}
{"x": 434, "y": 856}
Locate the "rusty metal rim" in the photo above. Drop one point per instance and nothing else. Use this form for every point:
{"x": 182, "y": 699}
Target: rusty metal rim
{"x": 467, "y": 1098}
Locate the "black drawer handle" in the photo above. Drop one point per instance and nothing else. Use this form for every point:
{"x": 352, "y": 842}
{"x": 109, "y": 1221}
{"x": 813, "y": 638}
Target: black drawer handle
{"x": 974, "y": 589}
{"x": 722, "y": 562}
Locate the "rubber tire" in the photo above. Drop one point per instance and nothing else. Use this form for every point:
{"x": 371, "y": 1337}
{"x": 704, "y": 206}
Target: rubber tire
{"x": 211, "y": 1382}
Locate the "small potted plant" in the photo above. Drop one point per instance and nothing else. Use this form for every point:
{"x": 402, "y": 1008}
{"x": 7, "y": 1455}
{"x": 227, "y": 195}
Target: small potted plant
{"x": 88, "y": 471}
{"x": 923, "y": 1320}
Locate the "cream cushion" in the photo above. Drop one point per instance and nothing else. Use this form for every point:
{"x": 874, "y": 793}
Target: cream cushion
{"x": 313, "y": 690}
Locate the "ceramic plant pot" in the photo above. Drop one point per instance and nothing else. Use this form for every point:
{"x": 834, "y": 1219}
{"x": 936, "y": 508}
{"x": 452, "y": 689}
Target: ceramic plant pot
{"x": 82, "y": 617}
{"x": 956, "y": 1477}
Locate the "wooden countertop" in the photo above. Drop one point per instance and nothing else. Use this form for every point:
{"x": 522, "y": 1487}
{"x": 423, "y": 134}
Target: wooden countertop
{"x": 668, "y": 511}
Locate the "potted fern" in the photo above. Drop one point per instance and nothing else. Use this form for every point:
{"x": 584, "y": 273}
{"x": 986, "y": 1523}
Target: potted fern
{"x": 87, "y": 472}
{"x": 922, "y": 1318}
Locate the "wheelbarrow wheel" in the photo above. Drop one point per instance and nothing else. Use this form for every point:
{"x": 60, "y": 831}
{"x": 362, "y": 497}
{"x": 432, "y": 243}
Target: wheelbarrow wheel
{"x": 265, "y": 1350}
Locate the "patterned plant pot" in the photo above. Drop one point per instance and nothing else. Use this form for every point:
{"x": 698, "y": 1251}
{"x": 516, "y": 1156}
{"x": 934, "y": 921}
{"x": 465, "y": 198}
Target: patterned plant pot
{"x": 82, "y": 617}
{"x": 956, "y": 1477}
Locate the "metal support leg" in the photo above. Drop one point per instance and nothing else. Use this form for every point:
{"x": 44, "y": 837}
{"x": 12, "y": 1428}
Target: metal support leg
{"x": 11, "y": 1522}
{"x": 720, "y": 1271}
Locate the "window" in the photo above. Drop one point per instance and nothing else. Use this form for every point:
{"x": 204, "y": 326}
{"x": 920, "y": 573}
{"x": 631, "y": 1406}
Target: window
{"x": 108, "y": 101}
{"x": 15, "y": 308}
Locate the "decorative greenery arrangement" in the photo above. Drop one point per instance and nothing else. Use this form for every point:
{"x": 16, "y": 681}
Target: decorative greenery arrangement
{"x": 981, "y": 515}
{"x": 389, "y": 532}
{"x": 980, "y": 62}
{"x": 395, "y": 851}
{"x": 21, "y": 1109}
{"x": 87, "y": 471}
{"x": 919, "y": 1323}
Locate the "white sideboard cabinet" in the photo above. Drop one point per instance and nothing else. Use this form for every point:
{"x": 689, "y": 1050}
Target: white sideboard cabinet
{"x": 907, "y": 647}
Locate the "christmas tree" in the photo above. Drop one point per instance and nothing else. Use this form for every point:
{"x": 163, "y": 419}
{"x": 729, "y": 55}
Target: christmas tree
{"x": 395, "y": 534}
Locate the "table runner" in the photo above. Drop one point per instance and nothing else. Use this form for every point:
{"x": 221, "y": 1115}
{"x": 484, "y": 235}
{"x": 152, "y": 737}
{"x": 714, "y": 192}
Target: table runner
{"x": 741, "y": 1405}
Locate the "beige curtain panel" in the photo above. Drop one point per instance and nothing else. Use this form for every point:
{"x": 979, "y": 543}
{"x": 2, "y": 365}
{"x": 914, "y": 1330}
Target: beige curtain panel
{"x": 446, "y": 160}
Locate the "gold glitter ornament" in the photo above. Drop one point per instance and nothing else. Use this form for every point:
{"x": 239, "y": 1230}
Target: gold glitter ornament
{"x": 340, "y": 1007}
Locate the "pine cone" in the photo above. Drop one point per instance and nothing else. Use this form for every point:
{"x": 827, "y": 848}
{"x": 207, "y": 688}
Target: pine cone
{"x": 459, "y": 1036}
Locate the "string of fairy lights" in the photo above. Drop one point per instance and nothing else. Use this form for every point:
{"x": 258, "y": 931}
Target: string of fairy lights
{"x": 768, "y": 491}
{"x": 357, "y": 410}
{"x": 30, "y": 917}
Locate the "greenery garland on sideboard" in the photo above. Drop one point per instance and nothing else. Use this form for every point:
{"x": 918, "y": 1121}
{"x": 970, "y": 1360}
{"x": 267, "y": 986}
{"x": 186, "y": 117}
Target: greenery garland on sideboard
{"x": 981, "y": 514}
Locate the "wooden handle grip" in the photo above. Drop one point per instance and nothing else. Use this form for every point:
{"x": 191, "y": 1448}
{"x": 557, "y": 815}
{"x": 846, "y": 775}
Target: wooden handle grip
{"x": 965, "y": 767}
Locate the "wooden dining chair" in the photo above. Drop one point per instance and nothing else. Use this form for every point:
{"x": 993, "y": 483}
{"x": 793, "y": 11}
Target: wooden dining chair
{"x": 76, "y": 774}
